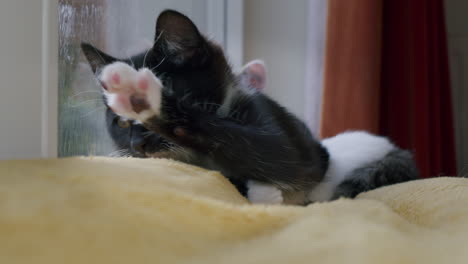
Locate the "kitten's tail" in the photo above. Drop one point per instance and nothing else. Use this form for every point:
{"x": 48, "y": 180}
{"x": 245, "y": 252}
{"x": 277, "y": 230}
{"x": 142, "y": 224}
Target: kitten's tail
{"x": 397, "y": 166}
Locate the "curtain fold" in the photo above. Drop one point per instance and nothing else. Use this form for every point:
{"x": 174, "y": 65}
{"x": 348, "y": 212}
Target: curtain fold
{"x": 416, "y": 107}
{"x": 352, "y": 59}
{"x": 386, "y": 71}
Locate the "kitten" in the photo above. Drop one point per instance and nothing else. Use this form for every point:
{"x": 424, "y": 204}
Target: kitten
{"x": 180, "y": 99}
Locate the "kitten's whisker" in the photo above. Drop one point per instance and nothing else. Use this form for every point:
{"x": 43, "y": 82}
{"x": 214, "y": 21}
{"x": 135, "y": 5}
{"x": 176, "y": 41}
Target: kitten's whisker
{"x": 148, "y": 134}
{"x": 133, "y": 63}
{"x": 119, "y": 153}
{"x": 158, "y": 37}
{"x": 159, "y": 63}
{"x": 114, "y": 153}
{"x": 130, "y": 58}
{"x": 93, "y": 111}
{"x": 83, "y": 103}
{"x": 84, "y": 92}
{"x": 144, "y": 58}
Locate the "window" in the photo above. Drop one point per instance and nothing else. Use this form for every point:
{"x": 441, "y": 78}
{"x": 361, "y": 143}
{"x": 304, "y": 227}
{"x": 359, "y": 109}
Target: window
{"x": 81, "y": 115}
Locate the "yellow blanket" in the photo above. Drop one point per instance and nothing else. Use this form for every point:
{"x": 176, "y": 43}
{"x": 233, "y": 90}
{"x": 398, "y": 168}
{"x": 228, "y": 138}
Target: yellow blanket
{"x": 104, "y": 210}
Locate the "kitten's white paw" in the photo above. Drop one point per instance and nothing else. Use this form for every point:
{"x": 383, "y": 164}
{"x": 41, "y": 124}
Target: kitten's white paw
{"x": 263, "y": 193}
{"x": 130, "y": 93}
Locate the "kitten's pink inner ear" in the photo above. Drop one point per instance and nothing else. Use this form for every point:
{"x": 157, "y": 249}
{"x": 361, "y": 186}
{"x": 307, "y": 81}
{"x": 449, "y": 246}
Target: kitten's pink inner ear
{"x": 254, "y": 74}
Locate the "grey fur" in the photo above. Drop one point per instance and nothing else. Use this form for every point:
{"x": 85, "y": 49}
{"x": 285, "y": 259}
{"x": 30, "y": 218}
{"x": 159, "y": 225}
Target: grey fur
{"x": 397, "y": 166}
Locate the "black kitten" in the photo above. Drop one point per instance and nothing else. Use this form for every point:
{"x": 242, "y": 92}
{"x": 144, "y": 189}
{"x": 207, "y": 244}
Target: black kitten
{"x": 184, "y": 102}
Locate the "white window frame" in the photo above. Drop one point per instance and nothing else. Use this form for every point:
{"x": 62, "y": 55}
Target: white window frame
{"x": 49, "y": 84}
{"x": 315, "y": 51}
{"x": 225, "y": 24}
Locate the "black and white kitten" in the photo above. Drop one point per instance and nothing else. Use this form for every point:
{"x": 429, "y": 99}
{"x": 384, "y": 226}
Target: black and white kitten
{"x": 185, "y": 102}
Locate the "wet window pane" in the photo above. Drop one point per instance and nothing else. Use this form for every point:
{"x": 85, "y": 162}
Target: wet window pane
{"x": 120, "y": 28}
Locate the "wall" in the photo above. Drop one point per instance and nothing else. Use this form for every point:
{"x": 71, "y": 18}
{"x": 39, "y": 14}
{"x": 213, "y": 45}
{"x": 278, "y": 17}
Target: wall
{"x": 23, "y": 52}
{"x": 275, "y": 31}
{"x": 457, "y": 31}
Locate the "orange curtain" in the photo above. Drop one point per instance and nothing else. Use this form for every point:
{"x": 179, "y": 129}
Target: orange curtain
{"x": 352, "y": 67}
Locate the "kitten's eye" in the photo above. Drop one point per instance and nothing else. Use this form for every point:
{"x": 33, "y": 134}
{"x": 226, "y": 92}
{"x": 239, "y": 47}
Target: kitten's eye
{"x": 123, "y": 123}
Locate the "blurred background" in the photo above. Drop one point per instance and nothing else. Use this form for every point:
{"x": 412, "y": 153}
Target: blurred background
{"x": 392, "y": 67}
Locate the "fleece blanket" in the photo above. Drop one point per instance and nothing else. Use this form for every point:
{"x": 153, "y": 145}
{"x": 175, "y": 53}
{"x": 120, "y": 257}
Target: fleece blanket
{"x": 114, "y": 210}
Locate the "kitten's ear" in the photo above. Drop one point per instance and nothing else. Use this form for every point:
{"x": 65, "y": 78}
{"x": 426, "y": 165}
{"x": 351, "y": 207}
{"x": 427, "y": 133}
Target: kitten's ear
{"x": 177, "y": 36}
{"x": 96, "y": 58}
{"x": 253, "y": 75}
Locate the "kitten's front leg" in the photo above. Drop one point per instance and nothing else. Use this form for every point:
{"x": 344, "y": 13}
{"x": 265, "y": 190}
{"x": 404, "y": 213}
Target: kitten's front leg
{"x": 130, "y": 93}
{"x": 138, "y": 95}
{"x": 263, "y": 193}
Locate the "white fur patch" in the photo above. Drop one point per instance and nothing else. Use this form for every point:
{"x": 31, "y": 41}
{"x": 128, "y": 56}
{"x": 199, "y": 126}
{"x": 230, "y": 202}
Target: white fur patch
{"x": 263, "y": 193}
{"x": 348, "y": 151}
{"x": 122, "y": 81}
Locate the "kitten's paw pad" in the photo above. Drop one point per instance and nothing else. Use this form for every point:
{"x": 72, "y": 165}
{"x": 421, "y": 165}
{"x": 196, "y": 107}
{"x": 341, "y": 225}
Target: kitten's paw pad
{"x": 147, "y": 81}
{"x": 147, "y": 98}
{"x": 263, "y": 193}
{"x": 130, "y": 93}
{"x": 118, "y": 77}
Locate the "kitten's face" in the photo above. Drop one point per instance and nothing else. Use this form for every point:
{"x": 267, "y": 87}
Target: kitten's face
{"x": 189, "y": 66}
